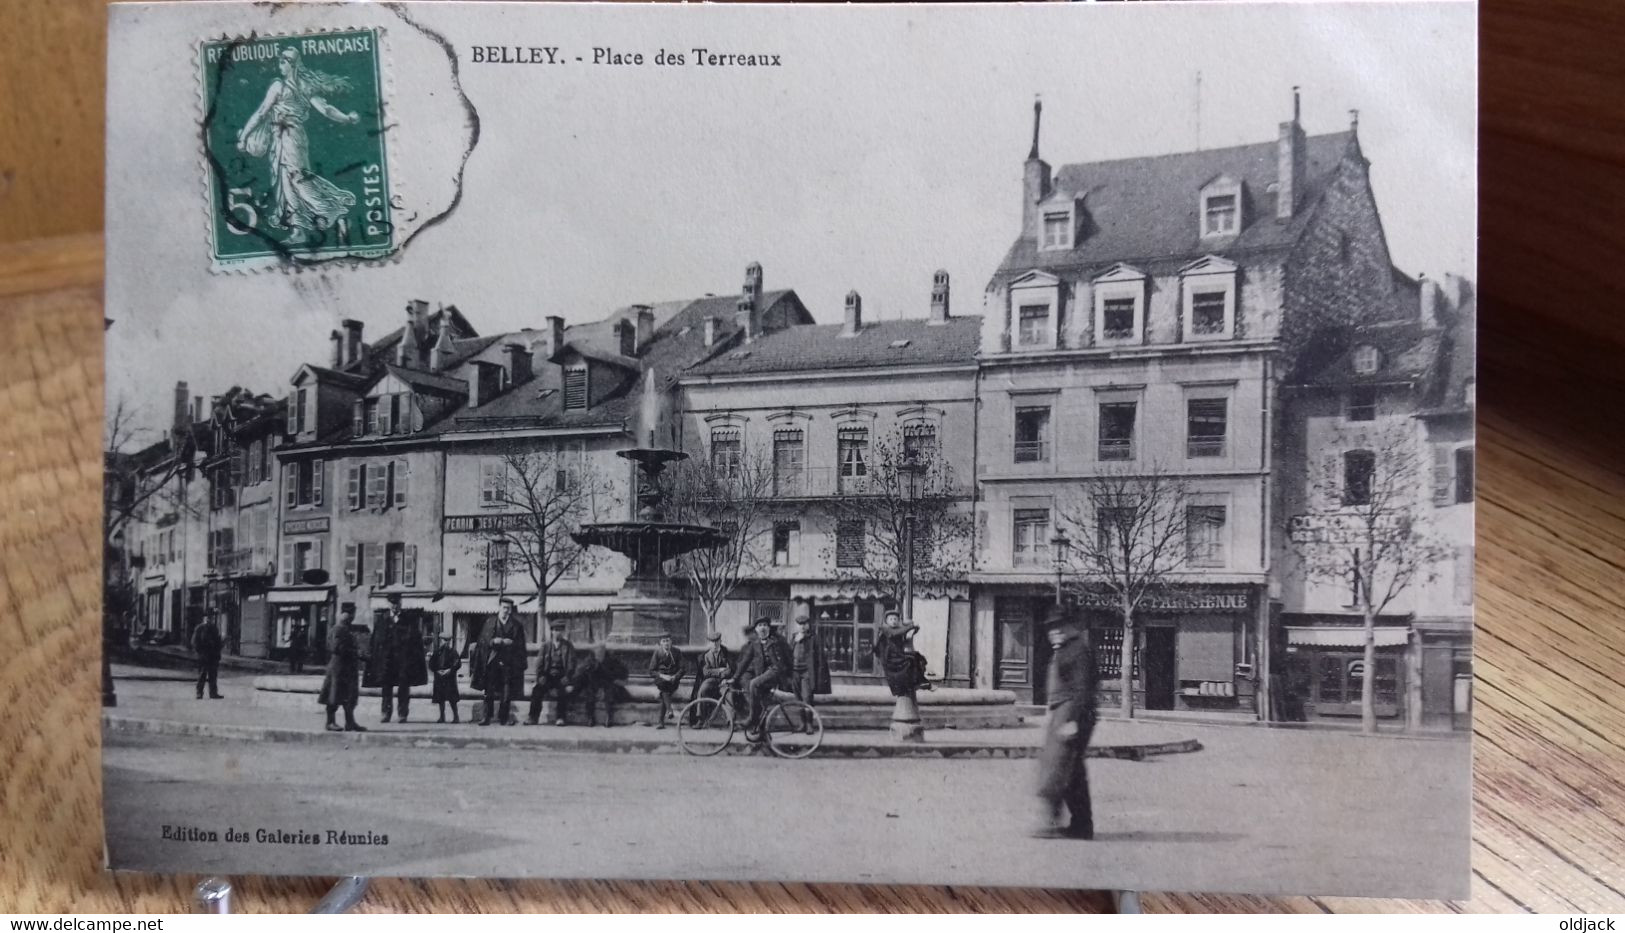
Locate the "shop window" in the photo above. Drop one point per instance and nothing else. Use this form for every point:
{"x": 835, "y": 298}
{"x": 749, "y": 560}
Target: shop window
{"x": 847, "y": 631}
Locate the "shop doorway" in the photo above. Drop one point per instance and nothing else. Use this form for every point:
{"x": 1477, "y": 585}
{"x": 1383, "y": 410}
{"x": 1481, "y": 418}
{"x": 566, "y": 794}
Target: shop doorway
{"x": 1158, "y": 661}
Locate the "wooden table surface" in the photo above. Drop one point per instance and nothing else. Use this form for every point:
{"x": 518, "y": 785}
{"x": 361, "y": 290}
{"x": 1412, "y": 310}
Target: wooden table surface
{"x": 1549, "y": 822}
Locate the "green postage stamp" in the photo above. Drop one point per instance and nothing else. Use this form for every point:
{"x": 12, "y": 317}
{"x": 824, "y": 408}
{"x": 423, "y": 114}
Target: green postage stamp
{"x": 295, "y": 146}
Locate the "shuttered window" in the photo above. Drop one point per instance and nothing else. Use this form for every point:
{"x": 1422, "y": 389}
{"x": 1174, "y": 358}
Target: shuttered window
{"x": 398, "y": 482}
{"x": 849, "y": 543}
{"x": 352, "y": 485}
{"x": 575, "y": 388}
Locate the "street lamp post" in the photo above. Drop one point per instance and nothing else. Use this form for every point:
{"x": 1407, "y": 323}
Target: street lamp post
{"x": 1058, "y": 553}
{"x": 906, "y": 725}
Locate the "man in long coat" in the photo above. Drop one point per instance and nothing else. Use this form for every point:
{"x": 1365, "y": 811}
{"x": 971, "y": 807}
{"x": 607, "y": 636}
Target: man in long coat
{"x": 298, "y": 643}
{"x": 711, "y": 669}
{"x": 501, "y": 664}
{"x": 208, "y": 645}
{"x": 397, "y": 664}
{"x": 764, "y": 666}
{"x": 555, "y": 664}
{"x": 341, "y": 687}
{"x": 809, "y": 668}
{"x": 1063, "y": 781}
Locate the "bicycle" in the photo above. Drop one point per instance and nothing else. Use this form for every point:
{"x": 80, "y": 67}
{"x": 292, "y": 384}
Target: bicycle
{"x": 706, "y": 726}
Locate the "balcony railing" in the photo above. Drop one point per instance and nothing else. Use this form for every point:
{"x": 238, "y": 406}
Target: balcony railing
{"x": 1204, "y": 447}
{"x": 243, "y": 562}
{"x": 1031, "y": 451}
{"x": 1116, "y": 449}
{"x": 829, "y": 482}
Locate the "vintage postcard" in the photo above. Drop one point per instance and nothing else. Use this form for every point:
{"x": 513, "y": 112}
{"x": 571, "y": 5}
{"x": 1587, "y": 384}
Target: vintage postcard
{"x": 978, "y": 444}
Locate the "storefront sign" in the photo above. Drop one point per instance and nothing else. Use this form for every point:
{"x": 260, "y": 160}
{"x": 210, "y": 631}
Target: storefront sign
{"x": 1342, "y": 529}
{"x": 1203, "y": 600}
{"x": 478, "y": 523}
{"x": 305, "y": 526}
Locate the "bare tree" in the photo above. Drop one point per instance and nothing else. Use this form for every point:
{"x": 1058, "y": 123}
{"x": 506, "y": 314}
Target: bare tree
{"x": 1362, "y": 531}
{"x": 135, "y": 479}
{"x": 1130, "y": 535}
{"x": 541, "y": 497}
{"x": 730, "y": 492}
{"x": 882, "y": 519}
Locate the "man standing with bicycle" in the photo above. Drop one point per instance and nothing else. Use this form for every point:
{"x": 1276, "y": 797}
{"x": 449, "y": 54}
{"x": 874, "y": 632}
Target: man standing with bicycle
{"x": 765, "y": 665}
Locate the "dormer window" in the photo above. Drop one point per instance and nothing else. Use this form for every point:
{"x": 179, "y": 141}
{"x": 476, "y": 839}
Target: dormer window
{"x": 1034, "y": 325}
{"x": 1220, "y": 215}
{"x": 1119, "y": 306}
{"x": 1035, "y": 302}
{"x": 575, "y": 388}
{"x": 1058, "y": 230}
{"x": 1367, "y": 359}
{"x": 1208, "y": 293}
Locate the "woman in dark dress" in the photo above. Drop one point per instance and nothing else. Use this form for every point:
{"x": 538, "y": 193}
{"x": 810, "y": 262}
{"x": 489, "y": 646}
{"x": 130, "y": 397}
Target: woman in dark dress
{"x": 444, "y": 664}
{"x": 342, "y": 685}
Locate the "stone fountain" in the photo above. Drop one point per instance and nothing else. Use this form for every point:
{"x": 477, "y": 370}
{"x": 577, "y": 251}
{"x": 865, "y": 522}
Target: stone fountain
{"x": 649, "y": 603}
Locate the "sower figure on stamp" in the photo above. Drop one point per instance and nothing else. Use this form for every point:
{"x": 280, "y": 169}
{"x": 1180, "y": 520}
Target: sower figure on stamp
{"x": 711, "y": 669}
{"x": 208, "y": 645}
{"x": 501, "y": 664}
{"x": 764, "y": 666}
{"x": 666, "y": 667}
{"x": 598, "y": 679}
{"x": 396, "y": 664}
{"x": 444, "y": 663}
{"x": 553, "y": 666}
{"x": 1063, "y": 780}
{"x": 341, "y": 688}
{"x": 298, "y": 643}
{"x": 809, "y": 667}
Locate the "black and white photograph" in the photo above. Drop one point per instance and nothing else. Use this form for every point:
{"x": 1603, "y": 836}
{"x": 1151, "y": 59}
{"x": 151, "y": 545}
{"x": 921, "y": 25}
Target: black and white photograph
{"x": 1020, "y": 445}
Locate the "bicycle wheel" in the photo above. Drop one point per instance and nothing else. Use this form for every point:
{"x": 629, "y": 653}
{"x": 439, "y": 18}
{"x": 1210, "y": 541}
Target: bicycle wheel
{"x": 794, "y": 729}
{"x": 705, "y": 727}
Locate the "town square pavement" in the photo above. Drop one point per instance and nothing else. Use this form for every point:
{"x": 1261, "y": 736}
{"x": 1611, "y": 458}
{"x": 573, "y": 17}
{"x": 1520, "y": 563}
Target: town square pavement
{"x": 1272, "y": 811}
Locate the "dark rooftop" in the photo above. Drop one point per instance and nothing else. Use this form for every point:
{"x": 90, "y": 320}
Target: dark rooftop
{"x": 912, "y": 342}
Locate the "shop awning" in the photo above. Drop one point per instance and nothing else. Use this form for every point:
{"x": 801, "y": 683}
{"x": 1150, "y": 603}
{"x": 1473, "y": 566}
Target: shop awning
{"x": 408, "y": 601}
{"x": 486, "y": 603}
{"x": 1345, "y": 636}
{"x": 835, "y": 592}
{"x": 299, "y": 597}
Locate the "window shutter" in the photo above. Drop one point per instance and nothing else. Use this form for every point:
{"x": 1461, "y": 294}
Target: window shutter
{"x": 400, "y": 484}
{"x": 318, "y": 474}
{"x": 1329, "y": 493}
{"x": 410, "y": 574}
{"x": 378, "y": 565}
{"x": 384, "y": 413}
{"x": 358, "y": 420}
{"x": 352, "y": 564}
{"x": 286, "y": 579}
{"x": 352, "y": 482}
{"x": 238, "y": 463}
{"x": 377, "y": 482}
{"x": 1444, "y": 475}
{"x": 317, "y": 557}
{"x": 290, "y": 485}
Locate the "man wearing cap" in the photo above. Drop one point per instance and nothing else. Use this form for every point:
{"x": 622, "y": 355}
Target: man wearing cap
{"x": 1062, "y": 778}
{"x": 809, "y": 667}
{"x": 764, "y": 665}
{"x": 666, "y": 667}
{"x": 894, "y": 649}
{"x": 397, "y": 663}
{"x": 341, "y": 686}
{"x": 554, "y": 665}
{"x": 597, "y": 680}
{"x": 711, "y": 669}
{"x": 208, "y": 645}
{"x": 501, "y": 667}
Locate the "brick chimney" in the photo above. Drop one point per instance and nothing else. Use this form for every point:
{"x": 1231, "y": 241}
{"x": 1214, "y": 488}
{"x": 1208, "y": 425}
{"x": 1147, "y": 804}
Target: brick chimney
{"x": 338, "y": 350}
{"x": 197, "y": 409}
{"x": 553, "y": 337}
{"x": 749, "y": 309}
{"x": 710, "y": 331}
{"x": 745, "y": 318}
{"x": 1290, "y": 151}
{"x": 518, "y": 362}
{"x": 939, "y": 297}
{"x": 753, "y": 284}
{"x": 183, "y": 398}
{"x": 353, "y": 347}
{"x": 646, "y": 327}
{"x": 1036, "y": 180}
{"x": 443, "y": 348}
{"x": 1427, "y": 302}
{"x": 854, "y": 315}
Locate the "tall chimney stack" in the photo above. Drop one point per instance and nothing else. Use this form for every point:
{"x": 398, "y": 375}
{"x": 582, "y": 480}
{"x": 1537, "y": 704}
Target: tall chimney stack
{"x": 183, "y": 398}
{"x": 338, "y": 350}
{"x": 854, "y": 315}
{"x": 518, "y": 361}
{"x": 1036, "y": 179}
{"x": 1428, "y": 301}
{"x": 939, "y": 297}
{"x": 443, "y": 347}
{"x": 352, "y": 341}
{"x": 553, "y": 339}
{"x": 646, "y": 327}
{"x": 1290, "y": 151}
{"x": 710, "y": 331}
{"x": 745, "y": 317}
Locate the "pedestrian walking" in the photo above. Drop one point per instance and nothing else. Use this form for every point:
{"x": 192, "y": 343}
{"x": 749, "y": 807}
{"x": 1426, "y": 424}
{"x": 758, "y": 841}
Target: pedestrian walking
{"x": 554, "y": 665}
{"x": 597, "y": 680}
{"x": 397, "y": 663}
{"x": 207, "y": 645}
{"x": 341, "y": 688}
{"x": 1063, "y": 781}
{"x": 444, "y": 663}
{"x": 903, "y": 666}
{"x": 666, "y": 667}
{"x": 763, "y": 666}
{"x": 298, "y": 644}
{"x": 500, "y": 664}
{"x": 809, "y": 668}
{"x": 711, "y": 669}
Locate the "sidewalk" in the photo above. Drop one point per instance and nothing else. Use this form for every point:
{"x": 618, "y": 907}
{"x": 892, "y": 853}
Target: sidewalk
{"x": 156, "y": 707}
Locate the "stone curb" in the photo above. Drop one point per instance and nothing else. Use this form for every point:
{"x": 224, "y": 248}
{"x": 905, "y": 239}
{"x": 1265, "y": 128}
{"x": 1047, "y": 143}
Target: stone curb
{"x": 600, "y": 743}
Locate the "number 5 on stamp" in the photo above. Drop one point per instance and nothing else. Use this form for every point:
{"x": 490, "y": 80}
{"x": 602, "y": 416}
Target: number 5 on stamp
{"x": 294, "y": 144}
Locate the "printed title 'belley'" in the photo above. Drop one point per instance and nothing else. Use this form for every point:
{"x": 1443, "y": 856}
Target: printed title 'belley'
{"x": 608, "y": 55}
